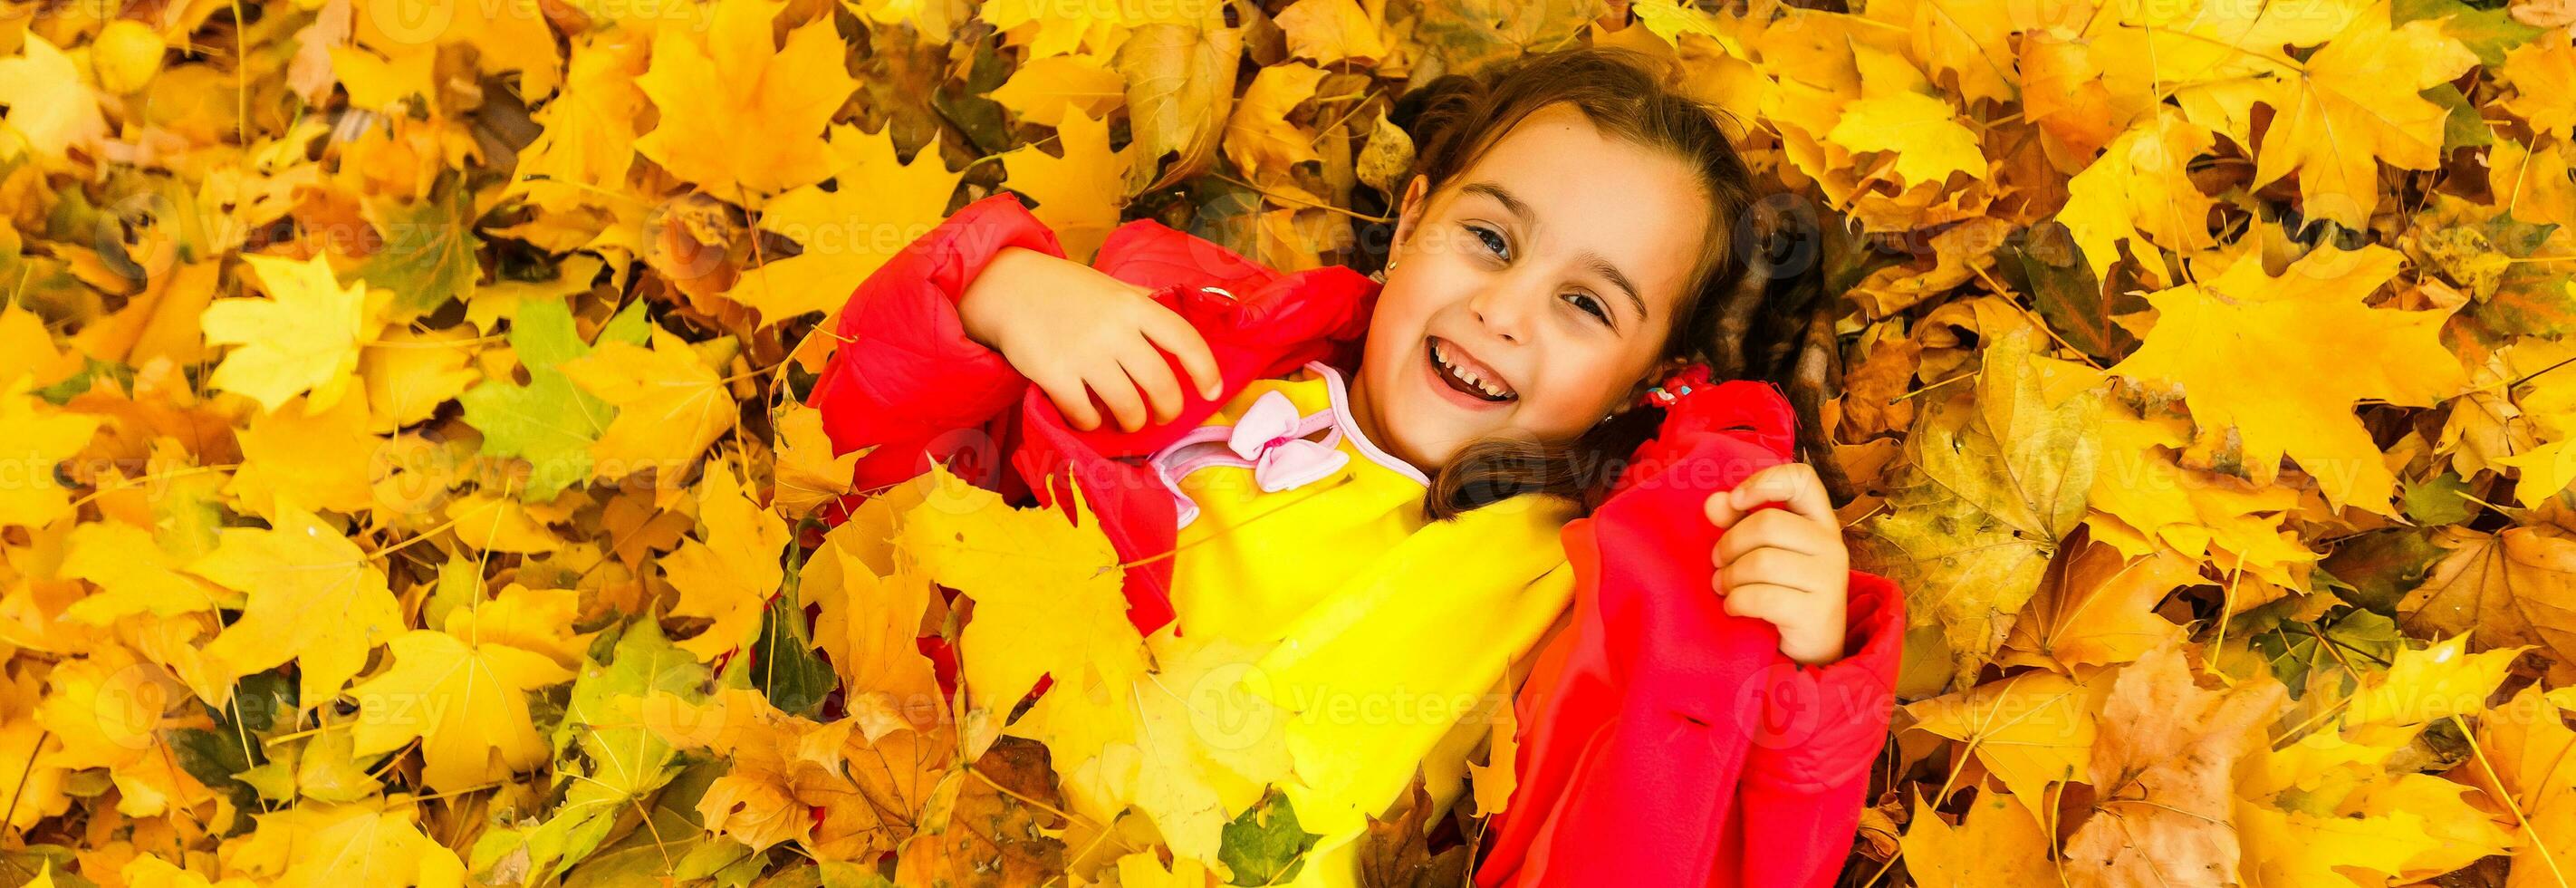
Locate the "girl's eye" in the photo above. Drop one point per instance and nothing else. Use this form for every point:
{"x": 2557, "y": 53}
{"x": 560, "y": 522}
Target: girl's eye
{"x": 1590, "y": 305}
{"x": 1492, "y": 240}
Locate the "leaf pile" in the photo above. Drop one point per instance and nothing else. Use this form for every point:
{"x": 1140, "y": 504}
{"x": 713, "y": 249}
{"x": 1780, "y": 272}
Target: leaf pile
{"x": 409, "y": 482}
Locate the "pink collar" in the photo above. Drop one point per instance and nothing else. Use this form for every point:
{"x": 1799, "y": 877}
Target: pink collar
{"x": 1271, "y": 439}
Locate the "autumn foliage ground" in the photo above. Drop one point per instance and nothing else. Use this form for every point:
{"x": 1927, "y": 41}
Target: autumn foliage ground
{"x": 406, "y": 477}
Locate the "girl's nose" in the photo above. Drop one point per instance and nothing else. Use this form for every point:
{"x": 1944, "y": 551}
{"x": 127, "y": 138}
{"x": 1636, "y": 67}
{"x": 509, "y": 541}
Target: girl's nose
{"x": 1503, "y": 309}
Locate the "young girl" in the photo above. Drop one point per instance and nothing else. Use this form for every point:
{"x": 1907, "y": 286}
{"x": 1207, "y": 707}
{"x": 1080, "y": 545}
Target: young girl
{"x": 1495, "y": 475}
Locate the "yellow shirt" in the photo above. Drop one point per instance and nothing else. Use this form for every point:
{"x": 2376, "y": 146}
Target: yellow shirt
{"x": 1384, "y": 640}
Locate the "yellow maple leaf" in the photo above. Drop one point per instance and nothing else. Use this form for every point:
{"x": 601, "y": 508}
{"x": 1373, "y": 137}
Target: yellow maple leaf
{"x": 1996, "y": 843}
{"x": 1897, "y": 113}
{"x": 728, "y": 573}
{"x": 297, "y": 568}
{"x": 409, "y": 374}
{"x": 1189, "y": 745}
{"x": 40, "y": 437}
{"x": 1079, "y": 194}
{"x": 133, "y": 575}
{"x": 785, "y": 94}
{"x": 878, "y": 208}
{"x": 51, "y": 106}
{"x": 465, "y": 701}
{"x": 1259, "y": 138}
{"x": 670, "y": 403}
{"x": 2352, "y": 105}
{"x": 2141, "y": 188}
{"x": 2269, "y": 357}
{"x": 1045, "y": 586}
{"x": 1044, "y": 90}
{"x": 372, "y": 841}
{"x": 589, "y": 137}
{"x": 2529, "y": 759}
{"x": 304, "y": 336}
{"x": 809, "y": 475}
{"x": 314, "y": 460}
{"x": 2100, "y": 608}
{"x": 2539, "y": 73}
{"x": 2030, "y": 730}
{"x": 1330, "y": 31}
{"x": 2517, "y": 587}
{"x": 2431, "y": 684}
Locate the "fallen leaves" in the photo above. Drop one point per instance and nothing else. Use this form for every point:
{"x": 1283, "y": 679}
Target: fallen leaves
{"x": 409, "y": 481}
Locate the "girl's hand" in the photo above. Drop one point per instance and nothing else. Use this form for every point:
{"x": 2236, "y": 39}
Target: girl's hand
{"x": 1075, "y": 331}
{"x": 1786, "y": 567}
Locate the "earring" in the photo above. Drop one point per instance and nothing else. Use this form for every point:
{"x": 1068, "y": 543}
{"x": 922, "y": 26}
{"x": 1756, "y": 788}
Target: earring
{"x": 1380, "y": 274}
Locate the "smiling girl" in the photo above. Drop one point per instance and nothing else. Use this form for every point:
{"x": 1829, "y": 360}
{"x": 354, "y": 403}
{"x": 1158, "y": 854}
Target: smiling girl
{"x": 1493, "y": 485}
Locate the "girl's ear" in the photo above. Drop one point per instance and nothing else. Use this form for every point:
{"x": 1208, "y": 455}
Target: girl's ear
{"x": 1409, "y": 211}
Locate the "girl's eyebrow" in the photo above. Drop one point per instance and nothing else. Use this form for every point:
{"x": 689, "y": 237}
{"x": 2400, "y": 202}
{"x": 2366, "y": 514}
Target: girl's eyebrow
{"x": 1595, "y": 261}
{"x": 1603, "y": 267}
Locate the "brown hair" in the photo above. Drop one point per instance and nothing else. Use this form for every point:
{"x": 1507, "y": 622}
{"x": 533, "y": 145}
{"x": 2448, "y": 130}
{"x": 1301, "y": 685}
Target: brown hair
{"x": 1456, "y": 118}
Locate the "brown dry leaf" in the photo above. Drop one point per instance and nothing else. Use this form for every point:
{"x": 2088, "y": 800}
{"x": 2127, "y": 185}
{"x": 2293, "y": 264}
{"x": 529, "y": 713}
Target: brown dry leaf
{"x": 989, "y": 823}
{"x": 2512, "y": 588}
{"x": 2163, "y": 770}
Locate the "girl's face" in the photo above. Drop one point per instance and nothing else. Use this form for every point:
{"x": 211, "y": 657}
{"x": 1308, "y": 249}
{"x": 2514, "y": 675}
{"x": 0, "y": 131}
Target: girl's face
{"x": 1534, "y": 296}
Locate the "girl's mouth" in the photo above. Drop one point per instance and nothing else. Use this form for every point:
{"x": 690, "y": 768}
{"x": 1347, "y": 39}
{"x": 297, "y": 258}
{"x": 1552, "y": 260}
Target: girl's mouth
{"x": 1462, "y": 373}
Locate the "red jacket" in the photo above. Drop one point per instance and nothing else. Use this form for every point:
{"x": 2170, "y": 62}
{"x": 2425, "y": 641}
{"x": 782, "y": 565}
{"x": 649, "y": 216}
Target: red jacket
{"x": 1662, "y": 742}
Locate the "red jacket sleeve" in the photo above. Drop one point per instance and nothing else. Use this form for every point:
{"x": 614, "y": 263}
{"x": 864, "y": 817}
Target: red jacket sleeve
{"x": 1664, "y": 741}
{"x": 905, "y": 375}
{"x": 1806, "y": 773}
{"x": 906, "y": 379}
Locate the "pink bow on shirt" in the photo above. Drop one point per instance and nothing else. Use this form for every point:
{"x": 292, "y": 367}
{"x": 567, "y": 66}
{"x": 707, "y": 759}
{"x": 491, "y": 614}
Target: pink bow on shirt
{"x": 1273, "y": 438}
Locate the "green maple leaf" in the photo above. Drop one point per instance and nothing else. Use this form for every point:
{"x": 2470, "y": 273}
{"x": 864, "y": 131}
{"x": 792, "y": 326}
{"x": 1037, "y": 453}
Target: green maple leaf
{"x": 549, "y": 422}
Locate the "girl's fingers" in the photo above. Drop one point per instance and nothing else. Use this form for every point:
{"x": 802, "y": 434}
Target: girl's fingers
{"x": 1762, "y": 601}
{"x": 1146, "y": 368}
{"x": 1073, "y": 399}
{"x": 1794, "y": 485}
{"x": 1766, "y": 561}
{"x": 1166, "y": 328}
{"x": 1771, "y": 528}
{"x": 1119, "y": 392}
